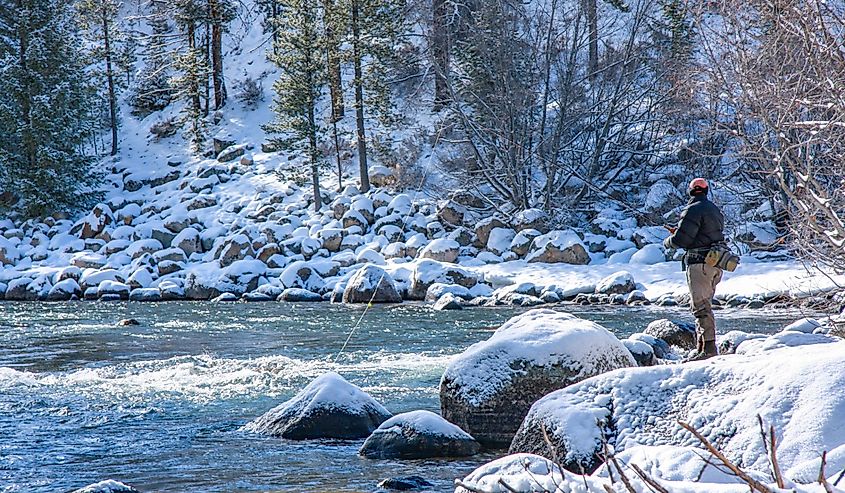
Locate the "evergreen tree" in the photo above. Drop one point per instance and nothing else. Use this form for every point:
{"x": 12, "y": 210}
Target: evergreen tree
{"x": 300, "y": 56}
{"x": 220, "y": 13}
{"x": 192, "y": 70}
{"x": 152, "y": 91}
{"x": 376, "y": 27}
{"x": 44, "y": 105}
{"x": 98, "y": 18}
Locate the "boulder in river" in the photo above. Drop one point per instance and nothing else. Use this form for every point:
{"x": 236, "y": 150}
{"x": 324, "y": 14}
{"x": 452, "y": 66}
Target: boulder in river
{"x": 617, "y": 283}
{"x": 674, "y": 332}
{"x": 329, "y": 407}
{"x": 299, "y": 295}
{"x": 418, "y": 435}
{"x": 408, "y": 483}
{"x": 721, "y": 397}
{"x": 371, "y": 284}
{"x": 488, "y": 388}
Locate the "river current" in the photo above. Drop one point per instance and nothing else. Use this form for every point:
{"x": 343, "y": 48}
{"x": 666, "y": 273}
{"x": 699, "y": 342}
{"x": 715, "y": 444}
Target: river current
{"x": 159, "y": 405}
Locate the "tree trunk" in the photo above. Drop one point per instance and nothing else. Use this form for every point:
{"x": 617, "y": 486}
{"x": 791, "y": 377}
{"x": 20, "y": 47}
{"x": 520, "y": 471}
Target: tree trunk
{"x": 440, "y": 52}
{"x": 217, "y": 55}
{"x": 206, "y": 55}
{"x": 593, "y": 26}
{"x": 110, "y": 77}
{"x": 333, "y": 60}
{"x": 359, "y": 99}
{"x": 315, "y": 168}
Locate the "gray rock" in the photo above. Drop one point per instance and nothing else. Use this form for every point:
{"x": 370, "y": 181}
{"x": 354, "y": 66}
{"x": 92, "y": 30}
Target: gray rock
{"x": 488, "y": 389}
{"x": 329, "y": 407}
{"x": 408, "y": 483}
{"x": 371, "y": 284}
{"x": 449, "y": 302}
{"x": 298, "y": 295}
{"x": 673, "y": 332}
{"x": 418, "y": 435}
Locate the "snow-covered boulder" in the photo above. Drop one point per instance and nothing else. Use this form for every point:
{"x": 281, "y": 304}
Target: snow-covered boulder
{"x": 790, "y": 388}
{"x": 487, "y": 389}
{"x": 428, "y": 272}
{"x": 381, "y": 176}
{"x": 752, "y": 346}
{"x": 535, "y": 219}
{"x": 418, "y": 435}
{"x": 618, "y": 283}
{"x": 559, "y": 247}
{"x": 145, "y": 294}
{"x": 499, "y": 240}
{"x": 673, "y": 332}
{"x": 484, "y": 227}
{"x": 451, "y": 213}
{"x": 113, "y": 288}
{"x": 329, "y": 407}
{"x": 521, "y": 243}
{"x": 441, "y": 250}
{"x": 188, "y": 240}
{"x": 371, "y": 284}
{"x": 107, "y": 486}
{"x": 301, "y": 274}
{"x": 642, "y": 352}
{"x": 298, "y": 295}
{"x": 22, "y": 289}
{"x": 64, "y": 290}
{"x": 448, "y": 302}
{"x": 438, "y": 290}
{"x": 88, "y": 260}
{"x": 9, "y": 253}
{"x": 649, "y": 255}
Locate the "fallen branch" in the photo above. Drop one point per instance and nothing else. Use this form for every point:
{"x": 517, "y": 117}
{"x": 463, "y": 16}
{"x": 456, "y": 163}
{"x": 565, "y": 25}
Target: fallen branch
{"x": 822, "y": 479}
{"x": 649, "y": 480}
{"x": 753, "y": 483}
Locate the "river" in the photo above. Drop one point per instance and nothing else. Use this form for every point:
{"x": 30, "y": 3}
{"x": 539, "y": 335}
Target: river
{"x": 159, "y": 405}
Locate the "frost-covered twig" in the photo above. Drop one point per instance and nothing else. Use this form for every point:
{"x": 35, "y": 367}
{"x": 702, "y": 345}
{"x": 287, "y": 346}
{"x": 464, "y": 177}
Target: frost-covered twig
{"x": 770, "y": 446}
{"x": 471, "y": 489}
{"x": 822, "y": 479}
{"x": 649, "y": 480}
{"x": 753, "y": 483}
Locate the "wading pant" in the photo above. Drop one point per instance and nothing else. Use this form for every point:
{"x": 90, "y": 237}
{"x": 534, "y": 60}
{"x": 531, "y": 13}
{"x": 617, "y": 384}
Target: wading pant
{"x": 702, "y": 280}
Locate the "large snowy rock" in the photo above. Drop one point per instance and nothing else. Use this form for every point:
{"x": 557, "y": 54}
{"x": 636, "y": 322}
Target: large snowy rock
{"x": 64, "y": 290}
{"x": 649, "y": 255}
{"x": 371, "y": 284}
{"x": 484, "y": 227}
{"x": 488, "y": 388}
{"x": 674, "y": 332}
{"x": 618, "y": 283}
{"x": 792, "y": 389}
{"x": 329, "y": 407}
{"x": 441, "y": 250}
{"x": 559, "y": 247}
{"x": 418, "y": 435}
{"x": 9, "y": 253}
{"x": 499, "y": 240}
{"x": 452, "y": 213}
{"x": 429, "y": 272}
{"x": 536, "y": 219}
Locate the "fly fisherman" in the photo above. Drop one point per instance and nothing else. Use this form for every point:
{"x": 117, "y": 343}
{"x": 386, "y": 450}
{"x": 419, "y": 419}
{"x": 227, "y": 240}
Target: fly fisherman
{"x": 701, "y": 228}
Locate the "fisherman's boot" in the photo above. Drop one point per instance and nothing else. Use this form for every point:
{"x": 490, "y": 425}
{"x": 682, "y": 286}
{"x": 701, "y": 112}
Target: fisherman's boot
{"x": 706, "y": 350}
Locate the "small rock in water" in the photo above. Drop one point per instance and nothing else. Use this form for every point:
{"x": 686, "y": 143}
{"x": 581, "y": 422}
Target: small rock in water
{"x": 448, "y": 302}
{"x": 226, "y": 297}
{"x": 405, "y": 484}
{"x": 128, "y": 321}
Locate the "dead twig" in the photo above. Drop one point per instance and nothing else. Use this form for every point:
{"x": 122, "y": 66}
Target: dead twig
{"x": 622, "y": 476}
{"x": 649, "y": 480}
{"x": 822, "y": 479}
{"x": 507, "y": 486}
{"x": 471, "y": 489}
{"x": 751, "y": 482}
{"x": 773, "y": 451}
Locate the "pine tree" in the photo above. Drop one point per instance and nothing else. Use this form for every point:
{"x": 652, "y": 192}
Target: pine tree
{"x": 220, "y": 13}
{"x": 192, "y": 70}
{"x": 98, "y": 18}
{"x": 152, "y": 91}
{"x": 44, "y": 105}
{"x": 300, "y": 56}
{"x": 376, "y": 27}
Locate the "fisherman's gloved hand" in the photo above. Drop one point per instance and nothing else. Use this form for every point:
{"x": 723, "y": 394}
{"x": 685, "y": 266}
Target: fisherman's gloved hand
{"x": 667, "y": 243}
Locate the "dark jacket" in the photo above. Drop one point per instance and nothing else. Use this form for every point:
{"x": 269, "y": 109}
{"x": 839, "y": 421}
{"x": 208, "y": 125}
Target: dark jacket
{"x": 701, "y": 227}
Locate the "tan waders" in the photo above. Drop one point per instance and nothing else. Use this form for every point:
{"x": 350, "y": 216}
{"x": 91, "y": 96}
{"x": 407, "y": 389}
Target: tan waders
{"x": 702, "y": 280}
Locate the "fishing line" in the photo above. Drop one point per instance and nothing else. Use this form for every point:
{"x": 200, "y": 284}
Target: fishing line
{"x": 384, "y": 272}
